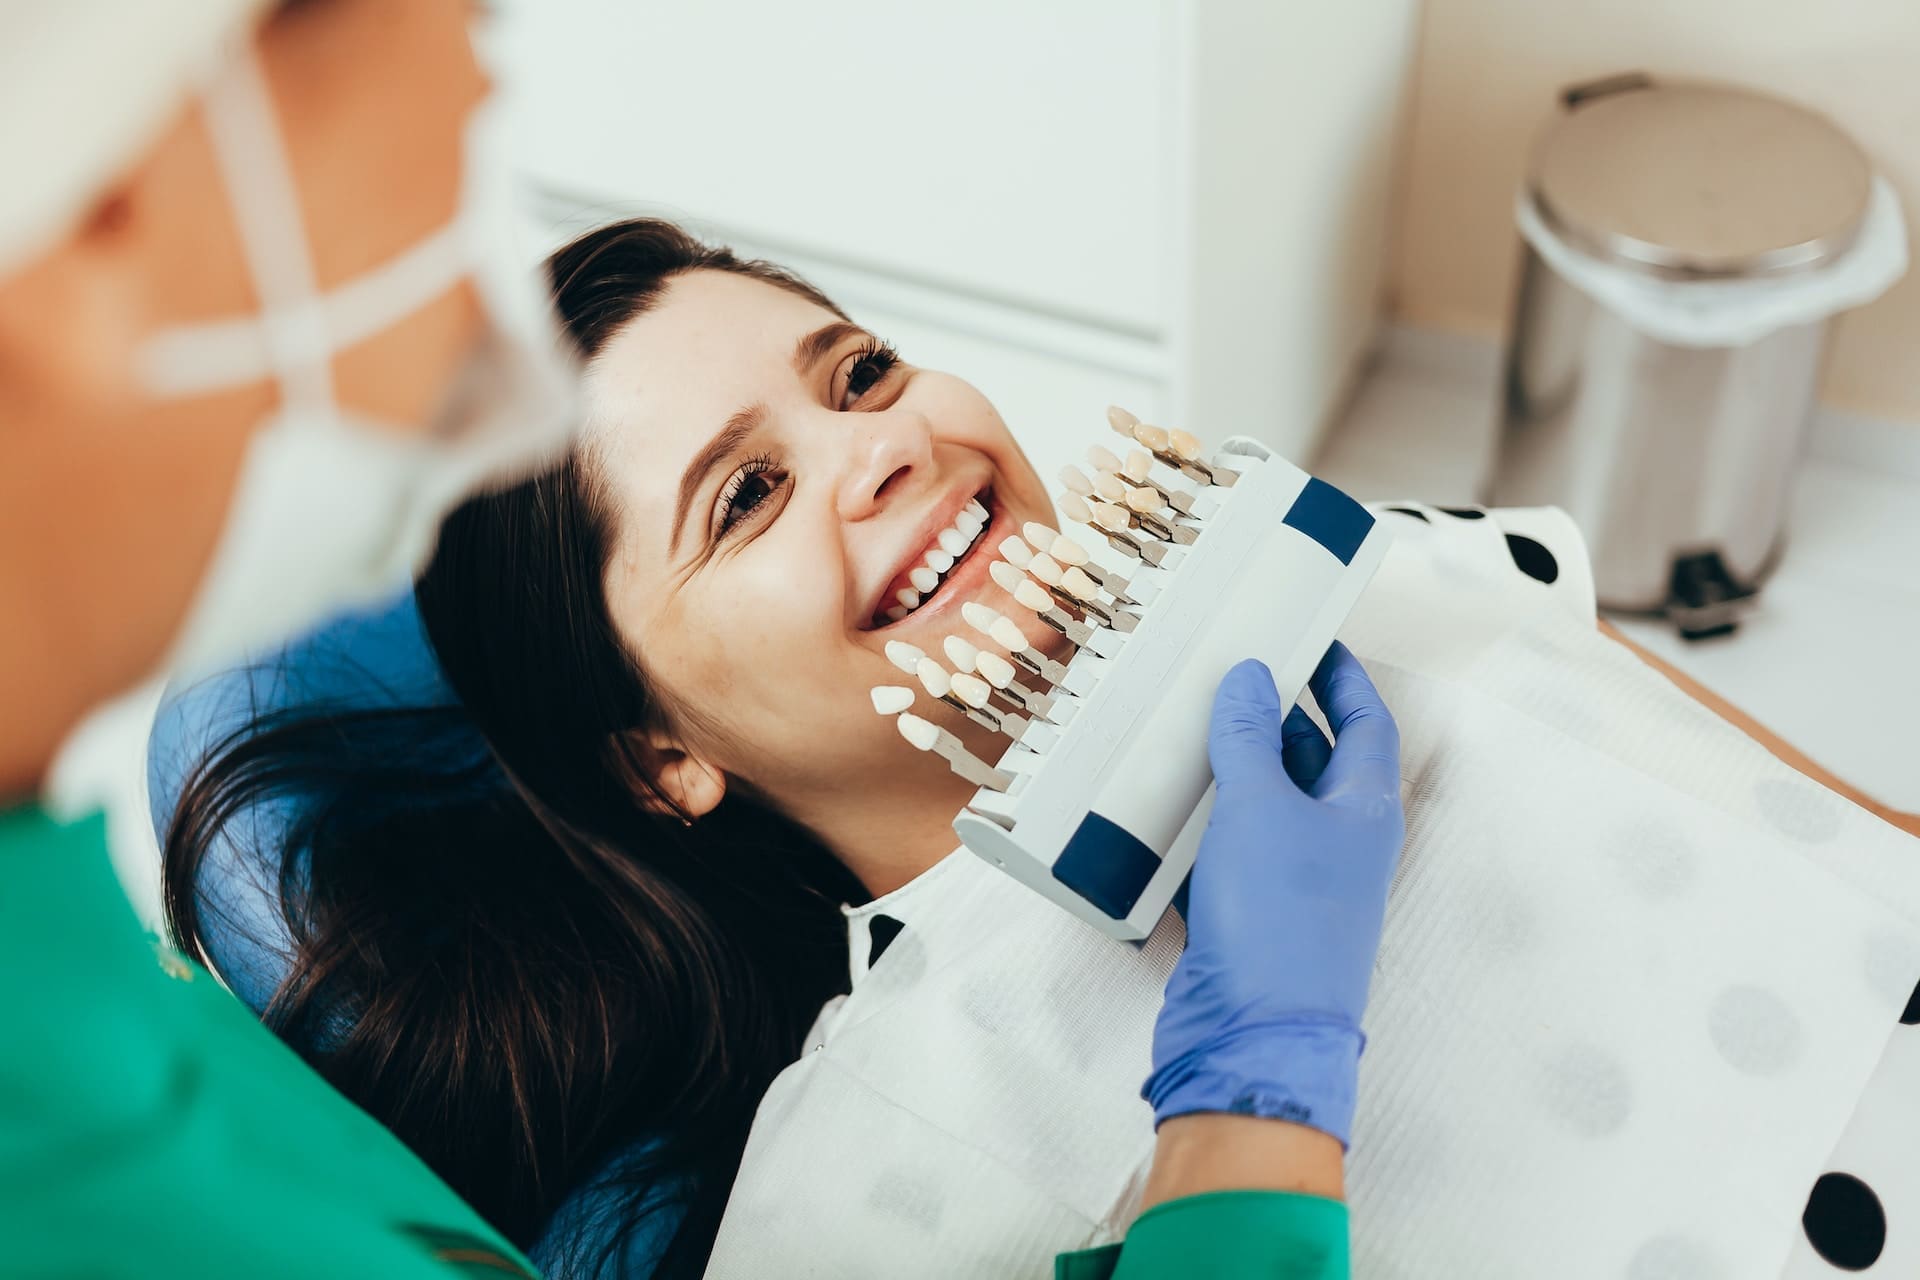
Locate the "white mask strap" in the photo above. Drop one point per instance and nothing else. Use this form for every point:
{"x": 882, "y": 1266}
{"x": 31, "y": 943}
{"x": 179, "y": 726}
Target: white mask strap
{"x": 251, "y": 152}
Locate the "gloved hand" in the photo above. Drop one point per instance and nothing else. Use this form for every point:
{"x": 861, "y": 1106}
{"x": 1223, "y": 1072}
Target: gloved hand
{"x": 1285, "y": 906}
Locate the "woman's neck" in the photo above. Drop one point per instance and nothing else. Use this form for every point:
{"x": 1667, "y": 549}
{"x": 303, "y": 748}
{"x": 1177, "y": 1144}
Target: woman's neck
{"x": 887, "y": 836}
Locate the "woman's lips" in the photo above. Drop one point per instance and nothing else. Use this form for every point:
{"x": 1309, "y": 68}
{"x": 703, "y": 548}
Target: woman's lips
{"x": 877, "y": 619}
{"x": 968, "y": 574}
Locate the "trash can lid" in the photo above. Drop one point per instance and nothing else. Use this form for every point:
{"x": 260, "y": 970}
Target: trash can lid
{"x": 1698, "y": 179}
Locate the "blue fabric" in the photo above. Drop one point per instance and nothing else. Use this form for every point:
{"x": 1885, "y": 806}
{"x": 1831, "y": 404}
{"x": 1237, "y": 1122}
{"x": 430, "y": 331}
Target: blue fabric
{"x": 367, "y": 659}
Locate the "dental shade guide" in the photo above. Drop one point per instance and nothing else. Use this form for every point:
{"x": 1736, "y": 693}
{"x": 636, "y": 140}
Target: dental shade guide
{"x": 1215, "y": 558}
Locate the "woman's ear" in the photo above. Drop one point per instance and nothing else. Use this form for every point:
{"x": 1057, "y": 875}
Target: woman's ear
{"x": 683, "y": 783}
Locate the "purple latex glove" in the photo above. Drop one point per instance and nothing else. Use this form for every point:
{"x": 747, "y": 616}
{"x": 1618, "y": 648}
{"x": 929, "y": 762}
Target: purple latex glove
{"x": 1285, "y": 906}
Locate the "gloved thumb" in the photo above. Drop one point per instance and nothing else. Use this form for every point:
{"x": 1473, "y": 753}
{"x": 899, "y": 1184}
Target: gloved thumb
{"x": 1245, "y": 739}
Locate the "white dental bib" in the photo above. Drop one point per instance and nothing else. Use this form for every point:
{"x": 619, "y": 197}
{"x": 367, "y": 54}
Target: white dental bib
{"x": 1636, "y": 976}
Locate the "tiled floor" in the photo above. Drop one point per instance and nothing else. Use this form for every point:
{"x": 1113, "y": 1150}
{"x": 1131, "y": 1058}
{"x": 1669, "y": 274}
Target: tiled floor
{"x": 1829, "y": 658}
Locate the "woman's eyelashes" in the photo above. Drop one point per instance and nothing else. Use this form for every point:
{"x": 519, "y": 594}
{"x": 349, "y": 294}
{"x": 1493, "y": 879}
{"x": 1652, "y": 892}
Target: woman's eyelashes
{"x": 867, "y": 368}
{"x": 747, "y": 490}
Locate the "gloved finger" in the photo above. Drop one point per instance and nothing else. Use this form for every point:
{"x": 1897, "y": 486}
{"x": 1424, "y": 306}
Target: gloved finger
{"x": 1244, "y": 741}
{"x": 1304, "y": 748}
{"x": 1366, "y": 741}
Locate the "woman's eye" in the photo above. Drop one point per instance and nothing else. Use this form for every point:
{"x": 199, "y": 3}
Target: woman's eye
{"x": 870, "y": 368}
{"x": 748, "y": 491}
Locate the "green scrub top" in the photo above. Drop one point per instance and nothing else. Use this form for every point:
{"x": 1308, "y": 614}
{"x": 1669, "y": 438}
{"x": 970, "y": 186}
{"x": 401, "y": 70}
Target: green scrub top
{"x": 150, "y": 1127}
{"x": 1224, "y": 1235}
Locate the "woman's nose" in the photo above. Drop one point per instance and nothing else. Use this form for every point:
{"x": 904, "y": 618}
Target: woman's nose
{"x": 882, "y": 451}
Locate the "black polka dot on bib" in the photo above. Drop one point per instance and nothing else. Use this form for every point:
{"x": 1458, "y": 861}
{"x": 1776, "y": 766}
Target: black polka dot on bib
{"x": 1533, "y": 559}
{"x": 1421, "y": 516}
{"x": 1466, "y": 513}
{"x": 1844, "y": 1222}
{"x": 1910, "y": 1016}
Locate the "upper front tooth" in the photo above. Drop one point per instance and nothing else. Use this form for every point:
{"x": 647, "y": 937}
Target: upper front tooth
{"x": 939, "y": 561}
{"x": 923, "y": 578}
{"x": 954, "y": 542}
{"x": 977, "y": 510}
{"x": 970, "y": 524}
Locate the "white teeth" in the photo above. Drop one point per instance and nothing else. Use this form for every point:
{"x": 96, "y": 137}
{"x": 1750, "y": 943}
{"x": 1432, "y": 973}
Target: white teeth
{"x": 1145, "y": 501}
{"x": 921, "y": 733}
{"x": 971, "y": 690}
{"x": 890, "y": 699}
{"x": 1005, "y": 576}
{"x": 1138, "y": 466}
{"x": 997, "y": 670}
{"x": 978, "y": 616}
{"x": 1109, "y": 517}
{"x": 976, "y": 510}
{"x": 1076, "y": 481}
{"x": 953, "y": 542}
{"x": 934, "y": 678}
{"x": 1184, "y": 444}
{"x": 924, "y": 580}
{"x": 969, "y": 524}
{"x": 1109, "y": 487}
{"x": 1120, "y": 420}
{"x": 1075, "y": 507}
{"x": 1155, "y": 438}
{"x": 1045, "y": 568}
{"x": 904, "y": 656}
{"x": 939, "y": 561}
{"x": 1102, "y": 458}
{"x": 909, "y": 598}
{"x": 1016, "y": 552}
{"x": 896, "y": 612}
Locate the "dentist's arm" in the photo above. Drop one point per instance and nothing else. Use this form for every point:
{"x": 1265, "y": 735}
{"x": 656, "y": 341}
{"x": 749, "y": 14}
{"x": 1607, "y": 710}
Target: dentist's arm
{"x": 1256, "y": 1054}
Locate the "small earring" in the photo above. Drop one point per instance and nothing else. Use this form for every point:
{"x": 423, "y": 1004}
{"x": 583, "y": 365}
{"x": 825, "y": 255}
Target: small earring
{"x": 686, "y": 822}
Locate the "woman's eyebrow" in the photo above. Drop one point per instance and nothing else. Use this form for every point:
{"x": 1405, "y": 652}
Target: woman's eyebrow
{"x": 816, "y": 346}
{"x": 740, "y": 427}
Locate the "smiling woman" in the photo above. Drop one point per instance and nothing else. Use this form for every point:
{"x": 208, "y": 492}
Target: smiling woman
{"x": 666, "y": 642}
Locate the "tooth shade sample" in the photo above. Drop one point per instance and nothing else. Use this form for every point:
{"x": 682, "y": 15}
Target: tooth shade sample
{"x": 1034, "y": 596}
{"x": 1015, "y": 551}
{"x": 971, "y": 690}
{"x": 1038, "y": 535}
{"x": 960, "y": 653}
{"x": 890, "y": 699}
{"x": 1110, "y": 488}
{"x": 977, "y": 616}
{"x": 1074, "y": 507}
{"x": 1145, "y": 501}
{"x": 938, "y": 560}
{"x": 1076, "y": 481}
{"x": 1103, "y": 458}
{"x": 1005, "y": 576}
{"x": 1138, "y": 466}
{"x": 1184, "y": 444}
{"x": 1120, "y": 420}
{"x": 997, "y": 671}
{"x": 953, "y": 542}
{"x": 904, "y": 656}
{"x": 1077, "y": 584}
{"x": 921, "y": 733}
{"x": 1045, "y": 568}
{"x": 934, "y": 678}
{"x": 1068, "y": 552}
{"x": 909, "y": 598}
{"x": 1110, "y": 517}
{"x": 1153, "y": 437}
{"x": 1007, "y": 633}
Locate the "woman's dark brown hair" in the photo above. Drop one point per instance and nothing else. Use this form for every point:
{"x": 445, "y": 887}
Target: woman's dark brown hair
{"x": 511, "y": 958}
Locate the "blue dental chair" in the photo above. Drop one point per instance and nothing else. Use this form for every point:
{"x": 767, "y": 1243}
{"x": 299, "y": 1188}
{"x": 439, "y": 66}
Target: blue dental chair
{"x": 369, "y": 659}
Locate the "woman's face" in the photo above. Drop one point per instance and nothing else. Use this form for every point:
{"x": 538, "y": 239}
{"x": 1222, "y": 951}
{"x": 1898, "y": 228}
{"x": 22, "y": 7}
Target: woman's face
{"x": 777, "y": 474}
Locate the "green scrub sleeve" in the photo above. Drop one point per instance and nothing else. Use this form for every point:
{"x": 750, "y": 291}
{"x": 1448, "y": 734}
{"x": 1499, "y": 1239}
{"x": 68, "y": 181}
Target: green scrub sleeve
{"x": 1224, "y": 1235}
{"x": 150, "y": 1127}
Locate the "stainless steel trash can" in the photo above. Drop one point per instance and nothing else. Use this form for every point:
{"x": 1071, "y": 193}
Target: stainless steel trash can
{"x": 1674, "y": 460}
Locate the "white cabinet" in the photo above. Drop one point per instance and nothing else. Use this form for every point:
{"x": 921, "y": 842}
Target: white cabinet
{"x": 1174, "y": 203}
